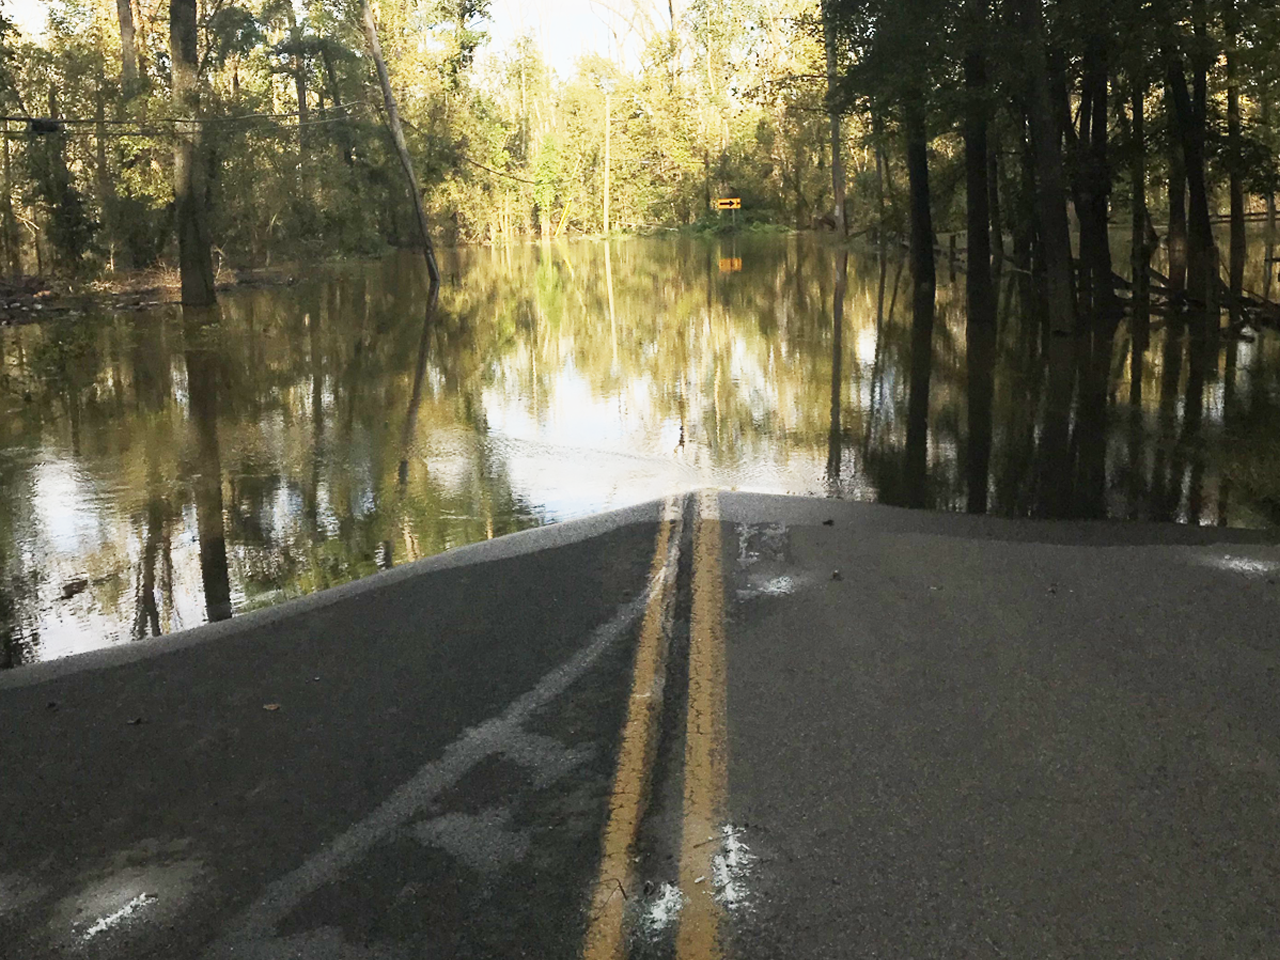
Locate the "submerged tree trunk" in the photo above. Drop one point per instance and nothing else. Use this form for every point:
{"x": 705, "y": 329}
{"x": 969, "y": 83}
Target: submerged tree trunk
{"x": 993, "y": 196}
{"x": 12, "y": 246}
{"x": 1051, "y": 194}
{"x": 1139, "y": 250}
{"x": 882, "y": 176}
{"x": 1055, "y": 253}
{"x": 1177, "y": 215}
{"x": 1095, "y": 241}
{"x": 835, "y": 442}
{"x": 980, "y": 295}
{"x": 1202, "y": 257}
{"x": 1022, "y": 214}
{"x": 924, "y": 282}
{"x": 190, "y": 173}
{"x": 1235, "y": 173}
{"x": 402, "y": 148}
{"x": 1268, "y": 265}
{"x": 833, "y": 112}
{"x": 102, "y": 176}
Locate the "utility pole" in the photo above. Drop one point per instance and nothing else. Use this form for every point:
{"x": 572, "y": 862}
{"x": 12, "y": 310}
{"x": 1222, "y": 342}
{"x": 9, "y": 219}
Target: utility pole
{"x": 607, "y": 84}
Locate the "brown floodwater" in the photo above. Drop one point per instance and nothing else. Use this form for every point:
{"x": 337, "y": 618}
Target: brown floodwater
{"x": 160, "y": 470}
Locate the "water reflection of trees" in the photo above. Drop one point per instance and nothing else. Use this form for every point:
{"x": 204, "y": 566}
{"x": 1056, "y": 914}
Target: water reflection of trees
{"x": 325, "y": 430}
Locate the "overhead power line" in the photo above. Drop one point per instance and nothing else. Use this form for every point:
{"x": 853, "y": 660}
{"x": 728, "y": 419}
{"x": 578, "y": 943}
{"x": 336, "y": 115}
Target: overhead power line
{"x": 45, "y": 125}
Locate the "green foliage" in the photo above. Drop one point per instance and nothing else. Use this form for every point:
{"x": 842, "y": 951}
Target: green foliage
{"x": 71, "y": 228}
{"x": 730, "y": 99}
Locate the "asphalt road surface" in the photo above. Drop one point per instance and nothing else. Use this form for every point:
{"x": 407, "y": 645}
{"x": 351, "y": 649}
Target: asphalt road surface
{"x": 722, "y": 726}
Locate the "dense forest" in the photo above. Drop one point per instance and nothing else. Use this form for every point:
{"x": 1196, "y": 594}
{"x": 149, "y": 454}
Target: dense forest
{"x": 297, "y": 160}
{"x": 931, "y": 114}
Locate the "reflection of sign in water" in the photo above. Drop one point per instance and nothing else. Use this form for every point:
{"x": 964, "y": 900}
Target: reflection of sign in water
{"x": 730, "y": 264}
{"x": 729, "y": 203}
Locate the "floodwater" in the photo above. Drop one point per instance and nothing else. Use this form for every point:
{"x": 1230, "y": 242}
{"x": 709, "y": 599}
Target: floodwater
{"x": 160, "y": 470}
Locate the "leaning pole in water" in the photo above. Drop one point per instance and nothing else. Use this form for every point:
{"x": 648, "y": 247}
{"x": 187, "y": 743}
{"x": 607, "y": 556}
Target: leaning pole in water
{"x": 402, "y": 148}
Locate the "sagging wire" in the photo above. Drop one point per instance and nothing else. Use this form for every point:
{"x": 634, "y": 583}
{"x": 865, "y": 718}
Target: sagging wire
{"x": 44, "y": 126}
{"x": 85, "y": 126}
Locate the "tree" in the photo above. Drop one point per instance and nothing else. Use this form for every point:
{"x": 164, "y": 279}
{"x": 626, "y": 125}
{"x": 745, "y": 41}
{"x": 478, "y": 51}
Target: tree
{"x": 402, "y": 148}
{"x": 190, "y": 169}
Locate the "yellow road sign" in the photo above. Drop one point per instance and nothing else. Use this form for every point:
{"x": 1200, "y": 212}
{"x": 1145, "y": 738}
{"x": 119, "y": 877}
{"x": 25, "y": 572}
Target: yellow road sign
{"x": 729, "y": 203}
{"x": 730, "y": 264}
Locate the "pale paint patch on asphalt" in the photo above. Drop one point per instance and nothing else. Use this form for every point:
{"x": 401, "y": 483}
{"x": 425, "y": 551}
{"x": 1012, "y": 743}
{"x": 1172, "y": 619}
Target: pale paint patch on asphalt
{"x": 1246, "y": 566}
{"x": 253, "y": 932}
{"x": 483, "y": 841}
{"x": 663, "y": 910}
{"x": 731, "y": 868}
{"x": 143, "y": 887}
{"x": 103, "y": 924}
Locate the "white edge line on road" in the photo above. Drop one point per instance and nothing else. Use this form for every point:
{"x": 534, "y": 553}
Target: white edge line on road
{"x": 255, "y": 927}
{"x": 520, "y": 543}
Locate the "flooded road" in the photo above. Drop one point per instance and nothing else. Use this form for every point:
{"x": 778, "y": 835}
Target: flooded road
{"x": 158, "y": 471}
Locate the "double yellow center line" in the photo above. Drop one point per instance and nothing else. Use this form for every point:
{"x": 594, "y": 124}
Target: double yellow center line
{"x": 705, "y": 757}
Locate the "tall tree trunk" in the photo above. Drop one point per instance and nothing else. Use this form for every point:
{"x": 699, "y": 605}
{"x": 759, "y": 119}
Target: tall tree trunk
{"x": 1095, "y": 240}
{"x": 190, "y": 173}
{"x": 1051, "y": 193}
{"x": 128, "y": 47}
{"x": 833, "y": 113}
{"x": 335, "y": 94}
{"x": 882, "y": 175}
{"x": 1271, "y": 197}
{"x": 299, "y": 67}
{"x": 1269, "y": 265}
{"x": 835, "y": 439}
{"x": 1140, "y": 251}
{"x": 1231, "y": 24}
{"x": 12, "y": 243}
{"x": 102, "y": 175}
{"x": 607, "y": 162}
{"x": 993, "y": 197}
{"x": 980, "y": 294}
{"x": 1023, "y": 216}
{"x": 924, "y": 282}
{"x": 402, "y": 148}
{"x": 1202, "y": 255}
{"x": 1055, "y": 254}
{"x": 1177, "y": 210}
